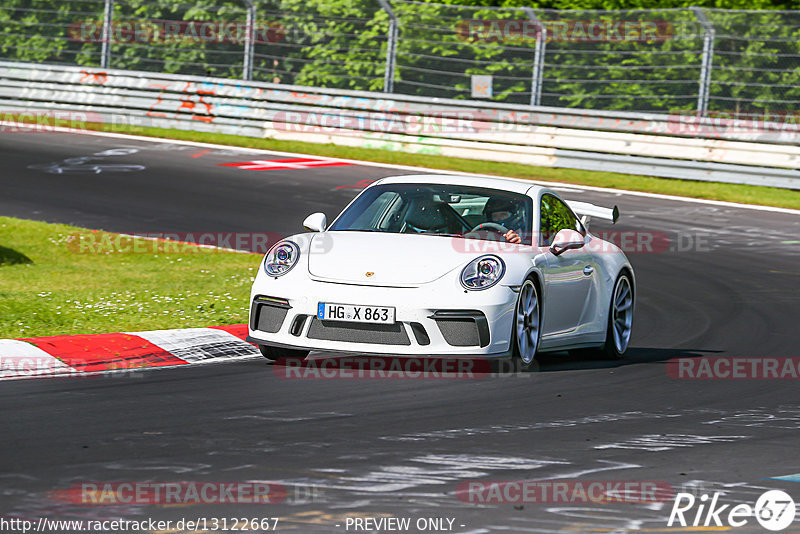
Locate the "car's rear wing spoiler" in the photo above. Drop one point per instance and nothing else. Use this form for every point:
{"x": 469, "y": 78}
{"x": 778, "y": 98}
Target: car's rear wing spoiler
{"x": 585, "y": 211}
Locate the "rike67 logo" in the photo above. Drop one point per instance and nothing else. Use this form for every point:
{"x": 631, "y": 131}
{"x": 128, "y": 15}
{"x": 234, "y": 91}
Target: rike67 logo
{"x": 774, "y": 510}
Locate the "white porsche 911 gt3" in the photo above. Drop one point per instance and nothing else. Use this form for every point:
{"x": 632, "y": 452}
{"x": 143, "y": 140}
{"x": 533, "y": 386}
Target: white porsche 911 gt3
{"x": 447, "y": 266}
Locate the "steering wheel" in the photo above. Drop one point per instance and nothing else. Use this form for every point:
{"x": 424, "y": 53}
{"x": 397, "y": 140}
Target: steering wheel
{"x": 494, "y": 227}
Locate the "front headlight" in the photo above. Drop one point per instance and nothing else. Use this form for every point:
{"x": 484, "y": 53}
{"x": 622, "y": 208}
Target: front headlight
{"x": 483, "y": 272}
{"x": 281, "y": 258}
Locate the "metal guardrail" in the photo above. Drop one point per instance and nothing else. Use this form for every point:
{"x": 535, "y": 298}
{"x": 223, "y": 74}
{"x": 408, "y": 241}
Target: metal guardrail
{"x": 633, "y": 143}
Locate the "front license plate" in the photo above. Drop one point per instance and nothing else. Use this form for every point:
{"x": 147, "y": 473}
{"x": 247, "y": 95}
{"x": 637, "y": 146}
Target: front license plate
{"x": 355, "y": 314}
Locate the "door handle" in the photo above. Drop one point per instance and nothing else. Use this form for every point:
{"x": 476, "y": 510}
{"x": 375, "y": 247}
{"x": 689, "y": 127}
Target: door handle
{"x": 588, "y": 270}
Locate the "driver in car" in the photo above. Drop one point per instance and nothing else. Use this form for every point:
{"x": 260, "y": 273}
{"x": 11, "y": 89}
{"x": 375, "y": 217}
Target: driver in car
{"x": 504, "y": 212}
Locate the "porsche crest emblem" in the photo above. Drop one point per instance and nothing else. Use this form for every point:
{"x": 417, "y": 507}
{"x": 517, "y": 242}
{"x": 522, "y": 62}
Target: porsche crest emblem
{"x": 369, "y": 274}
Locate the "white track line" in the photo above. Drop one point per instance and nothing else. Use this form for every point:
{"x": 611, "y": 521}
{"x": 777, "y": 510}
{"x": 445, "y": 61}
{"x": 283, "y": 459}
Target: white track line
{"x": 427, "y": 170}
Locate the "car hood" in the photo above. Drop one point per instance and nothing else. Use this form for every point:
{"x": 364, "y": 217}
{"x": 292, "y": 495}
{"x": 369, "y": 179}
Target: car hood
{"x": 392, "y": 259}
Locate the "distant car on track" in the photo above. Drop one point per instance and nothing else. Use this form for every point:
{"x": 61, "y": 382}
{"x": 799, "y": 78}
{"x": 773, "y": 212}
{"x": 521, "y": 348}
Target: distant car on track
{"x": 449, "y": 266}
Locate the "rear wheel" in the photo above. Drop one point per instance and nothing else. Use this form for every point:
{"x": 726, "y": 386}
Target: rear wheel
{"x": 275, "y": 353}
{"x": 620, "y": 319}
{"x": 527, "y": 322}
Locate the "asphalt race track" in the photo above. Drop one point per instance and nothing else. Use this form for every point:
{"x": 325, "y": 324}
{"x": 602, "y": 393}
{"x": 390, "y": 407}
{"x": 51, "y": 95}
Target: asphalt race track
{"x": 726, "y": 284}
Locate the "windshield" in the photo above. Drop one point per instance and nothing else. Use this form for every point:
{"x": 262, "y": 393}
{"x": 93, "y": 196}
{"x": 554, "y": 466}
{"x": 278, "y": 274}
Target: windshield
{"x": 433, "y": 209}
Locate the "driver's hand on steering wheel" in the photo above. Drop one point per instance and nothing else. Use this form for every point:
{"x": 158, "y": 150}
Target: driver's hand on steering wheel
{"x": 512, "y": 237}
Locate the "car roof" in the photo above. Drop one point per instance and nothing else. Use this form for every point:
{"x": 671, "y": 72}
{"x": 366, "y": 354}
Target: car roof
{"x": 503, "y": 184}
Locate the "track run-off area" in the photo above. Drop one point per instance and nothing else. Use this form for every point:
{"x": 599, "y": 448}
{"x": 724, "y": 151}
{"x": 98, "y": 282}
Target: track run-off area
{"x": 721, "y": 282}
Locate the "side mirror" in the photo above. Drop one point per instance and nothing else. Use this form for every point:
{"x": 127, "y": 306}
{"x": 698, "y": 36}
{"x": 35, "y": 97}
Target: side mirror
{"x": 566, "y": 239}
{"x": 316, "y": 222}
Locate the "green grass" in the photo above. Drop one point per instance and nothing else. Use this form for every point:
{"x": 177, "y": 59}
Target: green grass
{"x": 747, "y": 194}
{"x": 58, "y": 279}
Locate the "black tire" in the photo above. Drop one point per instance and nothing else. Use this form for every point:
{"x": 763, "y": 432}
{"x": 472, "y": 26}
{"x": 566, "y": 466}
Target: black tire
{"x": 522, "y": 353}
{"x": 274, "y": 353}
{"x": 611, "y": 350}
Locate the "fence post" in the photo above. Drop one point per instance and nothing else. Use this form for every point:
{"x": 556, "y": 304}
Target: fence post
{"x": 538, "y": 58}
{"x": 391, "y": 48}
{"x": 249, "y": 40}
{"x": 707, "y": 61}
{"x": 105, "y": 50}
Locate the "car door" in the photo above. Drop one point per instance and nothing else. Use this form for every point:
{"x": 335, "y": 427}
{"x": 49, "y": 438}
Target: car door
{"x": 568, "y": 277}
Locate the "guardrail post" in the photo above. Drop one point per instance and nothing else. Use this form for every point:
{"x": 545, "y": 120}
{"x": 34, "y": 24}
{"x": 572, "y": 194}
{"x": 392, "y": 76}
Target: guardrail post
{"x": 105, "y": 51}
{"x": 391, "y": 48}
{"x": 249, "y": 41}
{"x": 707, "y": 61}
{"x": 538, "y": 58}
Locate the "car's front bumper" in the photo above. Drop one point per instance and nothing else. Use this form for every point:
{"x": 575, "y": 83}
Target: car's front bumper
{"x": 436, "y": 319}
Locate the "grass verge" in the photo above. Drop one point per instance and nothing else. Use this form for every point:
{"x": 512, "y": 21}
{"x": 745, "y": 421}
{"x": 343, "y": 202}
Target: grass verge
{"x": 747, "y": 194}
{"x": 58, "y": 279}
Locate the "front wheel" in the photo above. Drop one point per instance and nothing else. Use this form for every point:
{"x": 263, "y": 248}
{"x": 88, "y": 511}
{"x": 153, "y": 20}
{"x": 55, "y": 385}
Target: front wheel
{"x": 527, "y": 321}
{"x": 274, "y": 353}
{"x": 620, "y": 319}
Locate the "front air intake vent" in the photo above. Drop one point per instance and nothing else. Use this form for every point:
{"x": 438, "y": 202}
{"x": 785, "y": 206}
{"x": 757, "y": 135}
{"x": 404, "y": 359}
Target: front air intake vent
{"x": 459, "y": 332}
{"x": 297, "y": 325}
{"x": 381, "y": 334}
{"x": 420, "y": 334}
{"x": 267, "y": 314}
{"x": 463, "y": 328}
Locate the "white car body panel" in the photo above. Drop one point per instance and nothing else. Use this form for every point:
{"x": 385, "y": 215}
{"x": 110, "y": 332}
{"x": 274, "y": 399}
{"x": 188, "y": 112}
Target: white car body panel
{"x": 419, "y": 275}
{"x": 378, "y": 255}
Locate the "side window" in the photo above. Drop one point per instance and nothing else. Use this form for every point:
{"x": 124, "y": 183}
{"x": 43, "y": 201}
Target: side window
{"x": 555, "y": 216}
